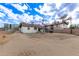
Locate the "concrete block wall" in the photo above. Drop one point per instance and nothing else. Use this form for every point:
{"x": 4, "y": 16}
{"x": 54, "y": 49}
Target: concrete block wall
{"x": 74, "y": 31}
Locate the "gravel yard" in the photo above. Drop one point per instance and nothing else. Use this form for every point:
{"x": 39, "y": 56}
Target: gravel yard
{"x": 39, "y": 44}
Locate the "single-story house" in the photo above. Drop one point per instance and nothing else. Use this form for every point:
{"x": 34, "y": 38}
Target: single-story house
{"x": 28, "y": 28}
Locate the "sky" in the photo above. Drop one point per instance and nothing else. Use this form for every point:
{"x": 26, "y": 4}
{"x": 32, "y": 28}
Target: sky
{"x": 37, "y": 13}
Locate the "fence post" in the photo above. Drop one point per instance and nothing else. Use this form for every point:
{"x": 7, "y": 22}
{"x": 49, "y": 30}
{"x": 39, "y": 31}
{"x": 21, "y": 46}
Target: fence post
{"x": 71, "y": 31}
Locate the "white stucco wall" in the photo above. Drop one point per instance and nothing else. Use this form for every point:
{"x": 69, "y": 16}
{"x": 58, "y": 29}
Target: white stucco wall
{"x": 63, "y": 26}
{"x": 25, "y": 30}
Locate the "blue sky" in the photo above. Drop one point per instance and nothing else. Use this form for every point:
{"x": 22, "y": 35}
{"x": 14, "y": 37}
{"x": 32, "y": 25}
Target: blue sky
{"x": 37, "y": 12}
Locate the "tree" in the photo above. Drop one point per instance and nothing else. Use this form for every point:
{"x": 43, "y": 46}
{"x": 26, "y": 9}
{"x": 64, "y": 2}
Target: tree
{"x": 63, "y": 17}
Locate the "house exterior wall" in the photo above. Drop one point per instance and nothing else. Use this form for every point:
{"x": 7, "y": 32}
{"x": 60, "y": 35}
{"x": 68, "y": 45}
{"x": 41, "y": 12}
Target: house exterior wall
{"x": 64, "y": 26}
{"x": 26, "y": 30}
{"x": 61, "y": 26}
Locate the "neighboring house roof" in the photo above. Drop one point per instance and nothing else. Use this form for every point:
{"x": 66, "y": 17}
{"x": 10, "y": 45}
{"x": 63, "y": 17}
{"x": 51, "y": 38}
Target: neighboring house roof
{"x": 30, "y": 25}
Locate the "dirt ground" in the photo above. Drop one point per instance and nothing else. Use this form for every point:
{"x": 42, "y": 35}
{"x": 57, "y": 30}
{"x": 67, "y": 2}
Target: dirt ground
{"x": 39, "y": 44}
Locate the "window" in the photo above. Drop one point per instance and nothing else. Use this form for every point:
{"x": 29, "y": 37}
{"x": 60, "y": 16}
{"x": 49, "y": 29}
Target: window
{"x": 28, "y": 28}
{"x": 35, "y": 28}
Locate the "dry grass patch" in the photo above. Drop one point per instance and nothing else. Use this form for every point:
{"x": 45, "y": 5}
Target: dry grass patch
{"x": 3, "y": 39}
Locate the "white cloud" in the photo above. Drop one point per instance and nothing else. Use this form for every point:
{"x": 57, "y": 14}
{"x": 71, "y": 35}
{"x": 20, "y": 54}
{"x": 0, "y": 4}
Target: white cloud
{"x": 73, "y": 15}
{"x": 2, "y": 14}
{"x": 46, "y": 9}
{"x": 58, "y": 5}
{"x": 1, "y": 23}
{"x": 10, "y": 15}
{"x": 25, "y": 18}
{"x": 8, "y": 12}
{"x": 17, "y": 17}
{"x": 75, "y": 21}
{"x": 28, "y": 18}
{"x": 38, "y": 18}
{"x": 13, "y": 16}
{"x": 19, "y": 7}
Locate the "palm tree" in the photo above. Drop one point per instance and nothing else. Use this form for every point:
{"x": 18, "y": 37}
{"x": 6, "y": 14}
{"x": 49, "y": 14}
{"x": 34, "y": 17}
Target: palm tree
{"x": 65, "y": 19}
{"x": 71, "y": 27}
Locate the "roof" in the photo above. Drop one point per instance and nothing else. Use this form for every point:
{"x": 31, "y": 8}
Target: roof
{"x": 30, "y": 25}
